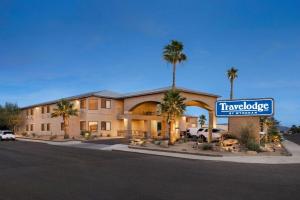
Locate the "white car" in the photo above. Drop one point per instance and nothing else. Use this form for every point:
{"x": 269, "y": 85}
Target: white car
{"x": 193, "y": 132}
{"x": 216, "y": 134}
{"x": 7, "y": 135}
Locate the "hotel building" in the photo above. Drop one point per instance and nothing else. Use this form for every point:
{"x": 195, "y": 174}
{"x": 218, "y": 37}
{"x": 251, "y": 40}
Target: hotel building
{"x": 108, "y": 113}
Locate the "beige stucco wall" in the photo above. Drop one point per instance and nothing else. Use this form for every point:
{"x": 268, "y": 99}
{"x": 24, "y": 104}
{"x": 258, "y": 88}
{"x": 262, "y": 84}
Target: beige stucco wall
{"x": 87, "y": 115}
{"x": 236, "y": 124}
{"x": 132, "y": 113}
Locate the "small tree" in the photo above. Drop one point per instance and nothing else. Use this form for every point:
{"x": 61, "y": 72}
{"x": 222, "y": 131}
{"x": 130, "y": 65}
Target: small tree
{"x": 271, "y": 127}
{"x": 10, "y": 116}
{"x": 202, "y": 120}
{"x": 173, "y": 107}
{"x": 65, "y": 109}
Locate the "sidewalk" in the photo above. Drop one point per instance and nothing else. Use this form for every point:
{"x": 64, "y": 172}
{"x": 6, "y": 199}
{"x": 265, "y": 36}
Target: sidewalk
{"x": 292, "y": 147}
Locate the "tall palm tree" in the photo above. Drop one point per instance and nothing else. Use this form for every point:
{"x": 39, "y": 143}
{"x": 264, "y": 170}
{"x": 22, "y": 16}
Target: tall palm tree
{"x": 172, "y": 106}
{"x": 65, "y": 109}
{"x": 202, "y": 120}
{"x": 232, "y": 74}
{"x": 173, "y": 54}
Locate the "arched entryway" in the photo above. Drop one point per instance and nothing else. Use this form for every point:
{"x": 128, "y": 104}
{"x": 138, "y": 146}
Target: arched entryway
{"x": 141, "y": 113}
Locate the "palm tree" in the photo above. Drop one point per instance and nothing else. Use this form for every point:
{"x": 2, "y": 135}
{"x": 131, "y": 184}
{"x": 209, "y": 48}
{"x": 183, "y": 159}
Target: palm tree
{"x": 173, "y": 54}
{"x": 202, "y": 119}
{"x": 65, "y": 109}
{"x": 173, "y": 107}
{"x": 232, "y": 74}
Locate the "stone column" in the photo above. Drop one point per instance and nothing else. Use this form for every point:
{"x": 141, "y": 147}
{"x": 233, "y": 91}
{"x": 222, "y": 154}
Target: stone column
{"x": 210, "y": 125}
{"x": 148, "y": 128}
{"x": 128, "y": 127}
{"x": 214, "y": 119}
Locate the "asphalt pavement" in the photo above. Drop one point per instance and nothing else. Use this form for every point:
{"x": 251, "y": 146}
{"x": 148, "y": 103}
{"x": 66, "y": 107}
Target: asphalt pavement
{"x": 35, "y": 171}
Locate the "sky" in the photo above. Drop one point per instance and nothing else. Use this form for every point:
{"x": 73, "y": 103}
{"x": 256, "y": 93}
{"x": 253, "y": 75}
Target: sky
{"x": 59, "y": 48}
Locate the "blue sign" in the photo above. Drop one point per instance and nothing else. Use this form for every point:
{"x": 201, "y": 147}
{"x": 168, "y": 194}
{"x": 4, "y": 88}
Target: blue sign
{"x": 245, "y": 107}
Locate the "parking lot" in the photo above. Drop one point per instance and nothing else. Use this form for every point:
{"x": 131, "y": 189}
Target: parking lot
{"x": 40, "y": 171}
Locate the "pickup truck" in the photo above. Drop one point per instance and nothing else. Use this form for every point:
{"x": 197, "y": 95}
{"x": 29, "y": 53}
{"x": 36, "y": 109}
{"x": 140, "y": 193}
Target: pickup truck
{"x": 203, "y": 133}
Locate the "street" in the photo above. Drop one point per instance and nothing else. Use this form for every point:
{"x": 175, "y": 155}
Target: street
{"x": 40, "y": 171}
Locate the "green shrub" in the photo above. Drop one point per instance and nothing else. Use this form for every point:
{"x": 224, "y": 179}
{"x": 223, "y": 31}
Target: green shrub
{"x": 24, "y": 134}
{"x": 207, "y": 146}
{"x": 252, "y": 145}
{"x": 247, "y": 135}
{"x": 82, "y": 133}
{"x": 228, "y": 136}
{"x": 87, "y": 135}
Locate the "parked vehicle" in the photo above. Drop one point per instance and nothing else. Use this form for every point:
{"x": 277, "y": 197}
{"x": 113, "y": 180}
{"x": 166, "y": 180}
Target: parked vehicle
{"x": 194, "y": 132}
{"x": 216, "y": 134}
{"x": 7, "y": 135}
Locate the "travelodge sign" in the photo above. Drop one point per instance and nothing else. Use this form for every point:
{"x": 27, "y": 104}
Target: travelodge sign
{"x": 245, "y": 107}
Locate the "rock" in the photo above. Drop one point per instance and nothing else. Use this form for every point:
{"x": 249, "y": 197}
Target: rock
{"x": 251, "y": 152}
{"x": 269, "y": 148}
{"x": 230, "y": 142}
{"x": 164, "y": 143}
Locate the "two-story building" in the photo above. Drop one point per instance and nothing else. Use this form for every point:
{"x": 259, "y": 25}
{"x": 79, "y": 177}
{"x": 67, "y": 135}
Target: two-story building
{"x": 108, "y": 113}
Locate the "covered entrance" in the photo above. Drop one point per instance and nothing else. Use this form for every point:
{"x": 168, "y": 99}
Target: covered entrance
{"x": 142, "y": 115}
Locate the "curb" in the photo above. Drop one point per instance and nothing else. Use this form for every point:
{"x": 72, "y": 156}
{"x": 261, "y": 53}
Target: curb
{"x": 181, "y": 152}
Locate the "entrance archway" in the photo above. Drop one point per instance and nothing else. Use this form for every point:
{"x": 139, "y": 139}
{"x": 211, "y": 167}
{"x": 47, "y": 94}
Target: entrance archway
{"x": 143, "y": 107}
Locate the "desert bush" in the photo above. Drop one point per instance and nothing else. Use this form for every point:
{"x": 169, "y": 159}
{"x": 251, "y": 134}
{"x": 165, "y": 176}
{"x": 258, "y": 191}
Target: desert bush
{"x": 228, "y": 136}
{"x": 207, "y": 146}
{"x": 52, "y": 137}
{"x": 248, "y": 139}
{"x": 33, "y": 134}
{"x": 66, "y": 136}
{"x": 87, "y": 135}
{"x": 252, "y": 145}
{"x": 24, "y": 134}
{"x": 246, "y": 135}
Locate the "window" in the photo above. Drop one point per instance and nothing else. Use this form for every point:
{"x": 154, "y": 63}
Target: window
{"x": 42, "y": 127}
{"x": 31, "y": 127}
{"x": 48, "y": 109}
{"x": 31, "y": 111}
{"x": 105, "y": 103}
{"x": 48, "y": 127}
{"x": 106, "y": 126}
{"x": 43, "y": 110}
{"x": 62, "y": 126}
{"x": 83, "y": 104}
{"x": 82, "y": 125}
{"x": 27, "y": 113}
{"x": 93, "y": 126}
{"x": 27, "y": 127}
{"x": 93, "y": 104}
{"x": 159, "y": 126}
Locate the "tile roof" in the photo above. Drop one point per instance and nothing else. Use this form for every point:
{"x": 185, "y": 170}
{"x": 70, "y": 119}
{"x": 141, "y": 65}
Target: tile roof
{"x": 115, "y": 95}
